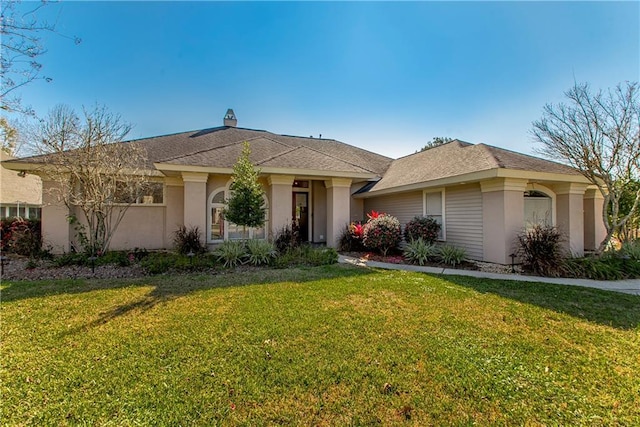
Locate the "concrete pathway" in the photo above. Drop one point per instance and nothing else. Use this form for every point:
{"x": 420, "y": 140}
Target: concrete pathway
{"x": 625, "y": 286}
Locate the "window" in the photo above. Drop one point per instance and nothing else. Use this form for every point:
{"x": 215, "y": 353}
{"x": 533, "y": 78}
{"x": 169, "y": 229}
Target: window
{"x": 152, "y": 193}
{"x": 220, "y": 230}
{"x": 537, "y": 209}
{"x": 434, "y": 208}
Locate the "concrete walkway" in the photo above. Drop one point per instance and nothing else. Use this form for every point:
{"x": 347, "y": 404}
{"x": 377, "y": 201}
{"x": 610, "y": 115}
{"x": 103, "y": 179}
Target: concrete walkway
{"x": 625, "y": 286}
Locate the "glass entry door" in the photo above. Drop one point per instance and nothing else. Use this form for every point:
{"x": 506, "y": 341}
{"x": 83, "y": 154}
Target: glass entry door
{"x": 301, "y": 213}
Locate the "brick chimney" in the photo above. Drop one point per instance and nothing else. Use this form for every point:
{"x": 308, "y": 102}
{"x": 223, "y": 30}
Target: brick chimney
{"x": 230, "y": 118}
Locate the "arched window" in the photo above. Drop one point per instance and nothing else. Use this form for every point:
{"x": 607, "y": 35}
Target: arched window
{"x": 538, "y": 208}
{"x": 220, "y": 230}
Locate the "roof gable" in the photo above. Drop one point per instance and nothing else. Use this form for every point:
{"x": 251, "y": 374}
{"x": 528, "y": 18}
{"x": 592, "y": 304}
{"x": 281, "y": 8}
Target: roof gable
{"x": 458, "y": 158}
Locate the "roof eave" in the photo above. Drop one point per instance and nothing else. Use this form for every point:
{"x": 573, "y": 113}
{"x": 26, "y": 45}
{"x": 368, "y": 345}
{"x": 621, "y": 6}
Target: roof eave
{"x": 167, "y": 167}
{"x": 476, "y": 177}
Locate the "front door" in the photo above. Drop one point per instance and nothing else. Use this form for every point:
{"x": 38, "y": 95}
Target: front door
{"x": 301, "y": 214}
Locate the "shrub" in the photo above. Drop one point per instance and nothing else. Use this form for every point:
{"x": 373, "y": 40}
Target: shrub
{"x": 382, "y": 233}
{"x": 631, "y": 249}
{"x": 187, "y": 240}
{"x": 21, "y": 236}
{"x": 70, "y": 258}
{"x": 608, "y": 268}
{"x": 287, "y": 237}
{"x": 260, "y": 252}
{"x": 540, "y": 251}
{"x": 420, "y": 252}
{"x": 452, "y": 255}
{"x": 351, "y": 238}
{"x": 158, "y": 263}
{"x": 231, "y": 253}
{"x": 421, "y": 227}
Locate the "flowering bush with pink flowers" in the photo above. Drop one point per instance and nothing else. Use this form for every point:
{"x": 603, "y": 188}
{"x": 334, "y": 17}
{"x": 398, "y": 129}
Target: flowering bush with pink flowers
{"x": 382, "y": 232}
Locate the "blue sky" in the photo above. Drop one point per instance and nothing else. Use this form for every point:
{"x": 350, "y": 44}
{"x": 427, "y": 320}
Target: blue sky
{"x": 387, "y": 77}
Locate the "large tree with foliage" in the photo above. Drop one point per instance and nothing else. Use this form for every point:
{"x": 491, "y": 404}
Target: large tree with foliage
{"x": 245, "y": 206}
{"x": 21, "y": 47}
{"x": 97, "y": 176}
{"x": 598, "y": 134}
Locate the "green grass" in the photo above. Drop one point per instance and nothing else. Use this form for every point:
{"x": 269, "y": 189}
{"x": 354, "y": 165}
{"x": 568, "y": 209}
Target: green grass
{"x": 333, "y": 345}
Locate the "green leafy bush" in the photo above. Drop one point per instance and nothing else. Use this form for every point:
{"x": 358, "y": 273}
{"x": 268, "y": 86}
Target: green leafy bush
{"x": 260, "y": 252}
{"x": 160, "y": 262}
{"x": 187, "y": 240}
{"x": 382, "y": 233}
{"x": 452, "y": 255}
{"x": 231, "y": 253}
{"x": 421, "y": 227}
{"x": 540, "y": 250}
{"x": 420, "y": 252}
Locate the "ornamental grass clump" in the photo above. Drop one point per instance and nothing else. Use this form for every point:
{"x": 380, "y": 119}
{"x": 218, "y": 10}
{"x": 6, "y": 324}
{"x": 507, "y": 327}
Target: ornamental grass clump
{"x": 260, "y": 252}
{"x": 420, "y": 252}
{"x": 540, "y": 250}
{"x": 421, "y": 227}
{"x": 231, "y": 253}
{"x": 452, "y": 255}
{"x": 382, "y": 232}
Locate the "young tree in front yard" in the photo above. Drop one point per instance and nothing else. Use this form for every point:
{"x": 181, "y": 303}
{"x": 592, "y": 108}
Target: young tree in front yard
{"x": 245, "y": 206}
{"x": 94, "y": 171}
{"x": 599, "y": 135}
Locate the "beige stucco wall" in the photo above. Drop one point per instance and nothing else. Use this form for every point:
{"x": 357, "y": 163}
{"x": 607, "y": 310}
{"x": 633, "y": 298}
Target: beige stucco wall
{"x": 55, "y": 225}
{"x": 570, "y": 216}
{"x": 142, "y": 227}
{"x": 502, "y": 217}
{"x": 195, "y": 200}
{"x": 16, "y": 189}
{"x": 280, "y": 200}
{"x": 594, "y": 229}
{"x": 319, "y": 211}
{"x": 174, "y": 213}
{"x": 338, "y": 204}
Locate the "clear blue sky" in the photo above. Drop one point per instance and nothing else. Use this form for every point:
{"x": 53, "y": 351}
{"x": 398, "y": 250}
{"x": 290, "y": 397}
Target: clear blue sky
{"x": 383, "y": 76}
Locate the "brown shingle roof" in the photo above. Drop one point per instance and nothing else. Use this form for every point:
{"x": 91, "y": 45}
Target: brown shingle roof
{"x": 220, "y": 147}
{"x": 459, "y": 158}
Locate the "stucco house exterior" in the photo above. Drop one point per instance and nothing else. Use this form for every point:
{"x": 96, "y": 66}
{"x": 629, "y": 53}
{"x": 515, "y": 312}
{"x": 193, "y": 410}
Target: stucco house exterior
{"x": 20, "y": 194}
{"x": 482, "y": 195}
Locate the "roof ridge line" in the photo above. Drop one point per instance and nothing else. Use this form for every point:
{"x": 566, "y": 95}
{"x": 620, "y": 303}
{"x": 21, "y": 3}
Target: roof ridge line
{"x": 341, "y": 160}
{"x": 207, "y": 149}
{"x": 279, "y": 154}
{"x": 485, "y": 149}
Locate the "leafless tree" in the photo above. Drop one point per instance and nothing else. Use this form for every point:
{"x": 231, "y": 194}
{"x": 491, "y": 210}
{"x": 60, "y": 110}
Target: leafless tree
{"x": 97, "y": 175}
{"x": 598, "y": 134}
{"x": 20, "y": 49}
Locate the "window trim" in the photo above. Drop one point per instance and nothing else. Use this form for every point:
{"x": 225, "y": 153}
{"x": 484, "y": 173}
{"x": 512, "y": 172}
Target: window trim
{"x": 442, "y": 201}
{"x": 549, "y": 193}
{"x": 225, "y": 236}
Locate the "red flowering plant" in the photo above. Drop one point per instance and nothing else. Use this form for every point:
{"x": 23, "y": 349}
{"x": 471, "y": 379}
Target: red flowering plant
{"x": 382, "y": 232}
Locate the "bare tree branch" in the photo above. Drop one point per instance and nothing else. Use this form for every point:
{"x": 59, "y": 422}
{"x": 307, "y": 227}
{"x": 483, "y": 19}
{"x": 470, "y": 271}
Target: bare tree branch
{"x": 598, "y": 134}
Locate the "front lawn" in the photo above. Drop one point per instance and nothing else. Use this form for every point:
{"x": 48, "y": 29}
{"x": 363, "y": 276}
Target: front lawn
{"x": 332, "y": 345}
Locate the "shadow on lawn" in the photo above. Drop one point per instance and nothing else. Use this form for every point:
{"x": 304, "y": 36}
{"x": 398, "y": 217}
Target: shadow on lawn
{"x": 608, "y": 308}
{"x": 170, "y": 287}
